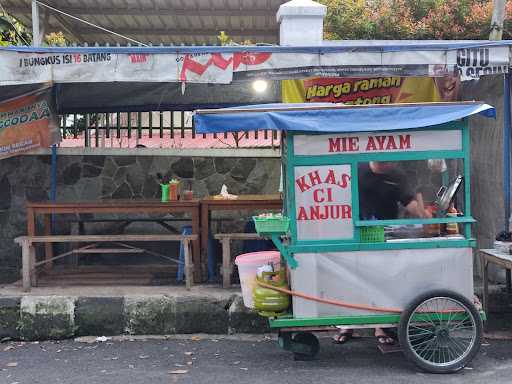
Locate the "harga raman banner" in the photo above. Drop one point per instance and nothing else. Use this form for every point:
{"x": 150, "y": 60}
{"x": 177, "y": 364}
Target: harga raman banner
{"x": 375, "y": 90}
{"x": 28, "y": 122}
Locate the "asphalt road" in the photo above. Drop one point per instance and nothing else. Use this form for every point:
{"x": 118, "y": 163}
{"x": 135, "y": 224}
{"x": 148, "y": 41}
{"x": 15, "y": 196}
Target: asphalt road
{"x": 252, "y": 360}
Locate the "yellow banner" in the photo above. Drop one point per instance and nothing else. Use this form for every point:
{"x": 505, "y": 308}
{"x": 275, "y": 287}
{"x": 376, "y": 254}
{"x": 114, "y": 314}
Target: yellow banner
{"x": 376, "y": 90}
{"x": 28, "y": 122}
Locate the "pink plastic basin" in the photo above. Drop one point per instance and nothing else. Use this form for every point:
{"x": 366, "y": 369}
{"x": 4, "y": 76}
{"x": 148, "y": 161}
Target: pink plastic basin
{"x": 248, "y": 265}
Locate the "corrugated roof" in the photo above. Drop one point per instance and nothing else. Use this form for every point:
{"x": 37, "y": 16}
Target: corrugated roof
{"x": 190, "y": 22}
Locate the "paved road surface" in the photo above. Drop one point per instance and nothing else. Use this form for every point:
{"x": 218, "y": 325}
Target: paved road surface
{"x": 252, "y": 360}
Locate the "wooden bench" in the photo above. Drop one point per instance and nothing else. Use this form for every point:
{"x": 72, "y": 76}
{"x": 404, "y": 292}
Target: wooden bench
{"x": 227, "y": 265}
{"x": 29, "y": 262}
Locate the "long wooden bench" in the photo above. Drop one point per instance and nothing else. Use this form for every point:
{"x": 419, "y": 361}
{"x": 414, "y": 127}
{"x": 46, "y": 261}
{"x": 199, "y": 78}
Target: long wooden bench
{"x": 29, "y": 262}
{"x": 227, "y": 264}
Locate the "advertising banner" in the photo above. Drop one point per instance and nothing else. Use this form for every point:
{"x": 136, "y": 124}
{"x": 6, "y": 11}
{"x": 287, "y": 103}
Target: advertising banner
{"x": 374, "y": 143}
{"x": 374, "y": 90}
{"x": 28, "y": 122}
{"x": 323, "y": 201}
{"x": 104, "y": 65}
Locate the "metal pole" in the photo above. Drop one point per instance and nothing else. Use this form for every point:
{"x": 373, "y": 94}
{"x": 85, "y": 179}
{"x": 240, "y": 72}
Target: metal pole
{"x": 36, "y": 40}
{"x": 506, "y": 146}
{"x": 498, "y": 16}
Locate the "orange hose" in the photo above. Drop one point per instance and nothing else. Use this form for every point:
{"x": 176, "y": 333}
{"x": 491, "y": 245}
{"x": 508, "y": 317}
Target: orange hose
{"x": 330, "y": 301}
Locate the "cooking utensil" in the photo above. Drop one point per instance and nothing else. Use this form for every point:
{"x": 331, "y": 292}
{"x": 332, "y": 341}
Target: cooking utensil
{"x": 445, "y": 194}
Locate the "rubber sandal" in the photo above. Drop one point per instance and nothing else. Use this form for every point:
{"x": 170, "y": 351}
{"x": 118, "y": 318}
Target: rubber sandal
{"x": 342, "y": 338}
{"x": 385, "y": 340}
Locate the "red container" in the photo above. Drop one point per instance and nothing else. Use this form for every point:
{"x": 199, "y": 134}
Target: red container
{"x": 173, "y": 191}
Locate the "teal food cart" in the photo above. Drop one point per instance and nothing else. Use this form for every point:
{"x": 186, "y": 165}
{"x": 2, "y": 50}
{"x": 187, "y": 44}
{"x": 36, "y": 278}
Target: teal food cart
{"x": 343, "y": 269}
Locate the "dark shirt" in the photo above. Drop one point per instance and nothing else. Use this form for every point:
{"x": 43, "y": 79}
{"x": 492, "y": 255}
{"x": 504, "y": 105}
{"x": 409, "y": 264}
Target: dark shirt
{"x": 379, "y": 194}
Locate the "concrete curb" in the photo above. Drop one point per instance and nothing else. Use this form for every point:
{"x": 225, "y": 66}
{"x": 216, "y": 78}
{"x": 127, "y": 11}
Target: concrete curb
{"x": 59, "y": 317}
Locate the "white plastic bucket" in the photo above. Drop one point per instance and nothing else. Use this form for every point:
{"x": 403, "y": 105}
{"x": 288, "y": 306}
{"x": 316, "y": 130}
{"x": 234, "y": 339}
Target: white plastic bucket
{"x": 248, "y": 265}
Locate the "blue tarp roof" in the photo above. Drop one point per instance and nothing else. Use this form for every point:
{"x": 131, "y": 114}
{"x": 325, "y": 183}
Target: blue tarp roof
{"x": 325, "y": 117}
{"x": 326, "y": 47}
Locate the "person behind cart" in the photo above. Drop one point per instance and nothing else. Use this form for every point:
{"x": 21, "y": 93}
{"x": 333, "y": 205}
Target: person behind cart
{"x": 383, "y": 187}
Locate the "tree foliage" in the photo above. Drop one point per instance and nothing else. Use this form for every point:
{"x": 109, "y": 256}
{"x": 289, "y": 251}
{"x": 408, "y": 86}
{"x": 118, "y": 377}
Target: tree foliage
{"x": 412, "y": 19}
{"x": 12, "y": 32}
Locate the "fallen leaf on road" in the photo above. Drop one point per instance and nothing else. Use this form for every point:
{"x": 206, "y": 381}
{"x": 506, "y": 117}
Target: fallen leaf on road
{"x": 12, "y": 364}
{"x": 178, "y": 372}
{"x": 195, "y": 338}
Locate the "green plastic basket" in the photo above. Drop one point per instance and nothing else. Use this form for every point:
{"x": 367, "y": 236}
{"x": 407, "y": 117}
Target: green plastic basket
{"x": 372, "y": 234}
{"x": 271, "y": 224}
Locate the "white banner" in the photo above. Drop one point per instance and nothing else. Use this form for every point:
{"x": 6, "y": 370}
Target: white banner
{"x": 312, "y": 145}
{"x": 323, "y": 202}
{"x": 102, "y": 65}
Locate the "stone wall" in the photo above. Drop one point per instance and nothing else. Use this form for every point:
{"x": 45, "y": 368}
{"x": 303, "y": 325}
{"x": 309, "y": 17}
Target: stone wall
{"x": 119, "y": 177}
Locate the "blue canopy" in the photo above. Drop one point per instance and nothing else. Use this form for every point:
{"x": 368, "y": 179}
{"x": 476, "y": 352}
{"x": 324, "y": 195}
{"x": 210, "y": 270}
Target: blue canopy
{"x": 326, "y": 117}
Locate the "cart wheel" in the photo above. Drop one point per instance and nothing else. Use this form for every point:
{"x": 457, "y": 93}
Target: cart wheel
{"x": 440, "y": 331}
{"x": 305, "y": 346}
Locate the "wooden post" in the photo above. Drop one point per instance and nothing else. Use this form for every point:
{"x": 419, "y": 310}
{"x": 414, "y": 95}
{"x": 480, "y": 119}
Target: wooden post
{"x": 205, "y": 225}
{"x": 188, "y": 264}
{"x": 25, "y": 262}
{"x": 226, "y": 262}
{"x": 48, "y": 247}
{"x": 31, "y": 222}
{"x": 33, "y": 271}
{"x": 196, "y": 246}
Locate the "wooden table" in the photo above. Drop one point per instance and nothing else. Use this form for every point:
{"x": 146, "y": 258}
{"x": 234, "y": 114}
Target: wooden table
{"x": 135, "y": 206}
{"x": 243, "y": 202}
{"x": 492, "y": 256}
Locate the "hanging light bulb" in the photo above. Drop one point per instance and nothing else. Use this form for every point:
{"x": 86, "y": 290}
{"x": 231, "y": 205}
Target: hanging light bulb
{"x": 260, "y": 86}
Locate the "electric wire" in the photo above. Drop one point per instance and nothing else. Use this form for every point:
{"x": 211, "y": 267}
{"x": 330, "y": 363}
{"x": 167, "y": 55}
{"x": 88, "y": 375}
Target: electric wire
{"x": 91, "y": 24}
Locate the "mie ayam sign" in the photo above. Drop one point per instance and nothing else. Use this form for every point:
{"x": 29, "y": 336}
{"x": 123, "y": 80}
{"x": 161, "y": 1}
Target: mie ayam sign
{"x": 377, "y": 142}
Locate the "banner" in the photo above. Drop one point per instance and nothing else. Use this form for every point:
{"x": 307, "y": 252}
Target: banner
{"x": 102, "y": 64}
{"x": 374, "y": 90}
{"x": 28, "y": 122}
{"x": 323, "y": 201}
{"x": 314, "y": 145}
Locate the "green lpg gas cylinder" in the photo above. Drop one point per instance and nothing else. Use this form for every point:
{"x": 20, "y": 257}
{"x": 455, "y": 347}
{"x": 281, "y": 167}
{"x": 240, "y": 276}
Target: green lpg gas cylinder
{"x": 268, "y": 302}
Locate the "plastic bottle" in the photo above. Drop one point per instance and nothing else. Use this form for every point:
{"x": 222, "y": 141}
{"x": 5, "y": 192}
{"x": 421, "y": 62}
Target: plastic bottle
{"x": 452, "y": 229}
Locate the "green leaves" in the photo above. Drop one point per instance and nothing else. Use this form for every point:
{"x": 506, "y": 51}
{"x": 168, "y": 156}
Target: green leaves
{"x": 411, "y": 19}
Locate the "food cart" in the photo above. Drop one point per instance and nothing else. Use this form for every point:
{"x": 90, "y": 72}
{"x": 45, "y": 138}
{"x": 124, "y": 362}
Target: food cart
{"x": 345, "y": 270}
